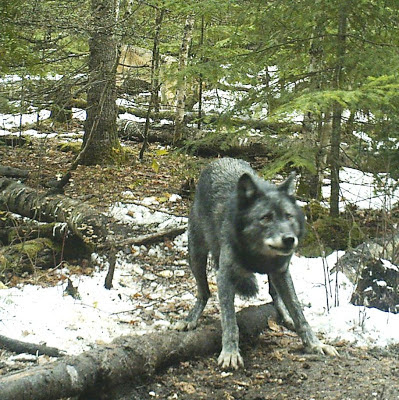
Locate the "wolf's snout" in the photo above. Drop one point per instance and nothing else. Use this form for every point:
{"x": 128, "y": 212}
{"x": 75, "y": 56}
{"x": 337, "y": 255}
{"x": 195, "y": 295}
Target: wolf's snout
{"x": 289, "y": 242}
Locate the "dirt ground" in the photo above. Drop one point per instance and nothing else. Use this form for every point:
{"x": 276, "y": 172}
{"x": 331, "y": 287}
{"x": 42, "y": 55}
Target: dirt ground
{"x": 277, "y": 369}
{"x": 275, "y": 366}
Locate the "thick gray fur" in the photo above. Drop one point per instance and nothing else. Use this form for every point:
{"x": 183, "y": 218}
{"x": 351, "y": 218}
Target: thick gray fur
{"x": 249, "y": 226}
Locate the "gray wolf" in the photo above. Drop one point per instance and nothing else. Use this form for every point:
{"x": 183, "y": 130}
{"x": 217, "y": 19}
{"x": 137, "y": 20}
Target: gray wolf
{"x": 249, "y": 226}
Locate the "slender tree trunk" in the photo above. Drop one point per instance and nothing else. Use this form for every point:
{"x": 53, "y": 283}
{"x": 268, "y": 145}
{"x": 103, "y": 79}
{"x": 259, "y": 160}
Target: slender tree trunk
{"x": 181, "y": 84}
{"x": 337, "y": 114}
{"x": 154, "y": 98}
{"x": 324, "y": 136}
{"x": 100, "y": 142}
{"x": 155, "y": 63}
{"x": 312, "y": 122}
{"x": 200, "y": 80}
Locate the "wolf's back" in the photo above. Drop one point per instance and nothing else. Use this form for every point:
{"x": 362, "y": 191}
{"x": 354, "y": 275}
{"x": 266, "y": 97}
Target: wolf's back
{"x": 215, "y": 193}
{"x": 218, "y": 182}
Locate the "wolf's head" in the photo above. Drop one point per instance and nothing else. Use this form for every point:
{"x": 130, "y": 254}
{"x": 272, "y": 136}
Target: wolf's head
{"x": 269, "y": 221}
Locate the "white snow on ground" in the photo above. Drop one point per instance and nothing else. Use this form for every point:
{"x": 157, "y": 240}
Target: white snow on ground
{"x": 36, "y": 314}
{"x": 79, "y": 114}
{"x": 8, "y": 121}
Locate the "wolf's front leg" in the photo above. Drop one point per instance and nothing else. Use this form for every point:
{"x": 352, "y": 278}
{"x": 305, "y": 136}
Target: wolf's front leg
{"x": 230, "y": 356}
{"x": 283, "y": 284}
{"x": 280, "y": 306}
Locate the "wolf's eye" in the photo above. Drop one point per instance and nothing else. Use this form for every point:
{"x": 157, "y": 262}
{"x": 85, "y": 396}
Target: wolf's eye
{"x": 289, "y": 216}
{"x": 267, "y": 218}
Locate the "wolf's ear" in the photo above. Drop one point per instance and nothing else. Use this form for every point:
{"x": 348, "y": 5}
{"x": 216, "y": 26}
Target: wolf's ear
{"x": 288, "y": 186}
{"x": 246, "y": 189}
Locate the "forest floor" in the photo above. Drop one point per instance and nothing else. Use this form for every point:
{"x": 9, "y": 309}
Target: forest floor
{"x": 275, "y": 367}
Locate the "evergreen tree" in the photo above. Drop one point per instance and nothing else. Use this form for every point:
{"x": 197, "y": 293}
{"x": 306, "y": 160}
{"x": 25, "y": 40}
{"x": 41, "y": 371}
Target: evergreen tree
{"x": 100, "y": 142}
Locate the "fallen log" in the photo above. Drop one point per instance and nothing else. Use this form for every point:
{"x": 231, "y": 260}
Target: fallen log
{"x": 40, "y": 253}
{"x": 126, "y": 358}
{"x": 196, "y": 142}
{"x": 13, "y": 141}
{"x": 214, "y": 118}
{"x": 211, "y": 118}
{"x": 18, "y": 231}
{"x": 13, "y": 172}
{"x": 82, "y": 220}
{"x": 17, "y": 346}
{"x": 132, "y": 130}
{"x": 153, "y": 237}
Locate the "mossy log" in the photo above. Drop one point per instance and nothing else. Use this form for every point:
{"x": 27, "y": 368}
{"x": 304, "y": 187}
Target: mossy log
{"x": 129, "y": 357}
{"x": 29, "y": 229}
{"x": 23, "y": 257}
{"x": 84, "y": 221}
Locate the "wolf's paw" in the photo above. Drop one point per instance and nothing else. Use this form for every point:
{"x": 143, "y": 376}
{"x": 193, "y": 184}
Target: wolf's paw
{"x": 288, "y": 323}
{"x": 230, "y": 360}
{"x": 322, "y": 348}
{"x": 184, "y": 325}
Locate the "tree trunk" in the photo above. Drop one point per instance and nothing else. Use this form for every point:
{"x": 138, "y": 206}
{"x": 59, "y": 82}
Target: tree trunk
{"x": 337, "y": 113}
{"x": 208, "y": 148}
{"x": 155, "y": 63}
{"x": 311, "y": 121}
{"x": 154, "y": 98}
{"x": 324, "y": 136}
{"x": 181, "y": 83}
{"x": 200, "y": 80}
{"x": 213, "y": 118}
{"x": 126, "y": 358}
{"x": 334, "y": 159}
{"x": 16, "y": 232}
{"x": 100, "y": 141}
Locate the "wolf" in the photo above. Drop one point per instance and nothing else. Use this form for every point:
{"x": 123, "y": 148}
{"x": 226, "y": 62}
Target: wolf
{"x": 249, "y": 226}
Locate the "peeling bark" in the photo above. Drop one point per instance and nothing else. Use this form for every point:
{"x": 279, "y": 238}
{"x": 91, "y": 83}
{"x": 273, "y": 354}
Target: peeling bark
{"x": 82, "y": 220}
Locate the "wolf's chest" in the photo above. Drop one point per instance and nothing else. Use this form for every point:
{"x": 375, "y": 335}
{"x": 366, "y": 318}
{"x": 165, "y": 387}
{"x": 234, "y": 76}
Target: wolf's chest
{"x": 262, "y": 264}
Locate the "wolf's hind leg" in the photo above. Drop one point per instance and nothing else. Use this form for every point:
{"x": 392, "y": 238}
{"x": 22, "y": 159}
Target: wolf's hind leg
{"x": 198, "y": 258}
